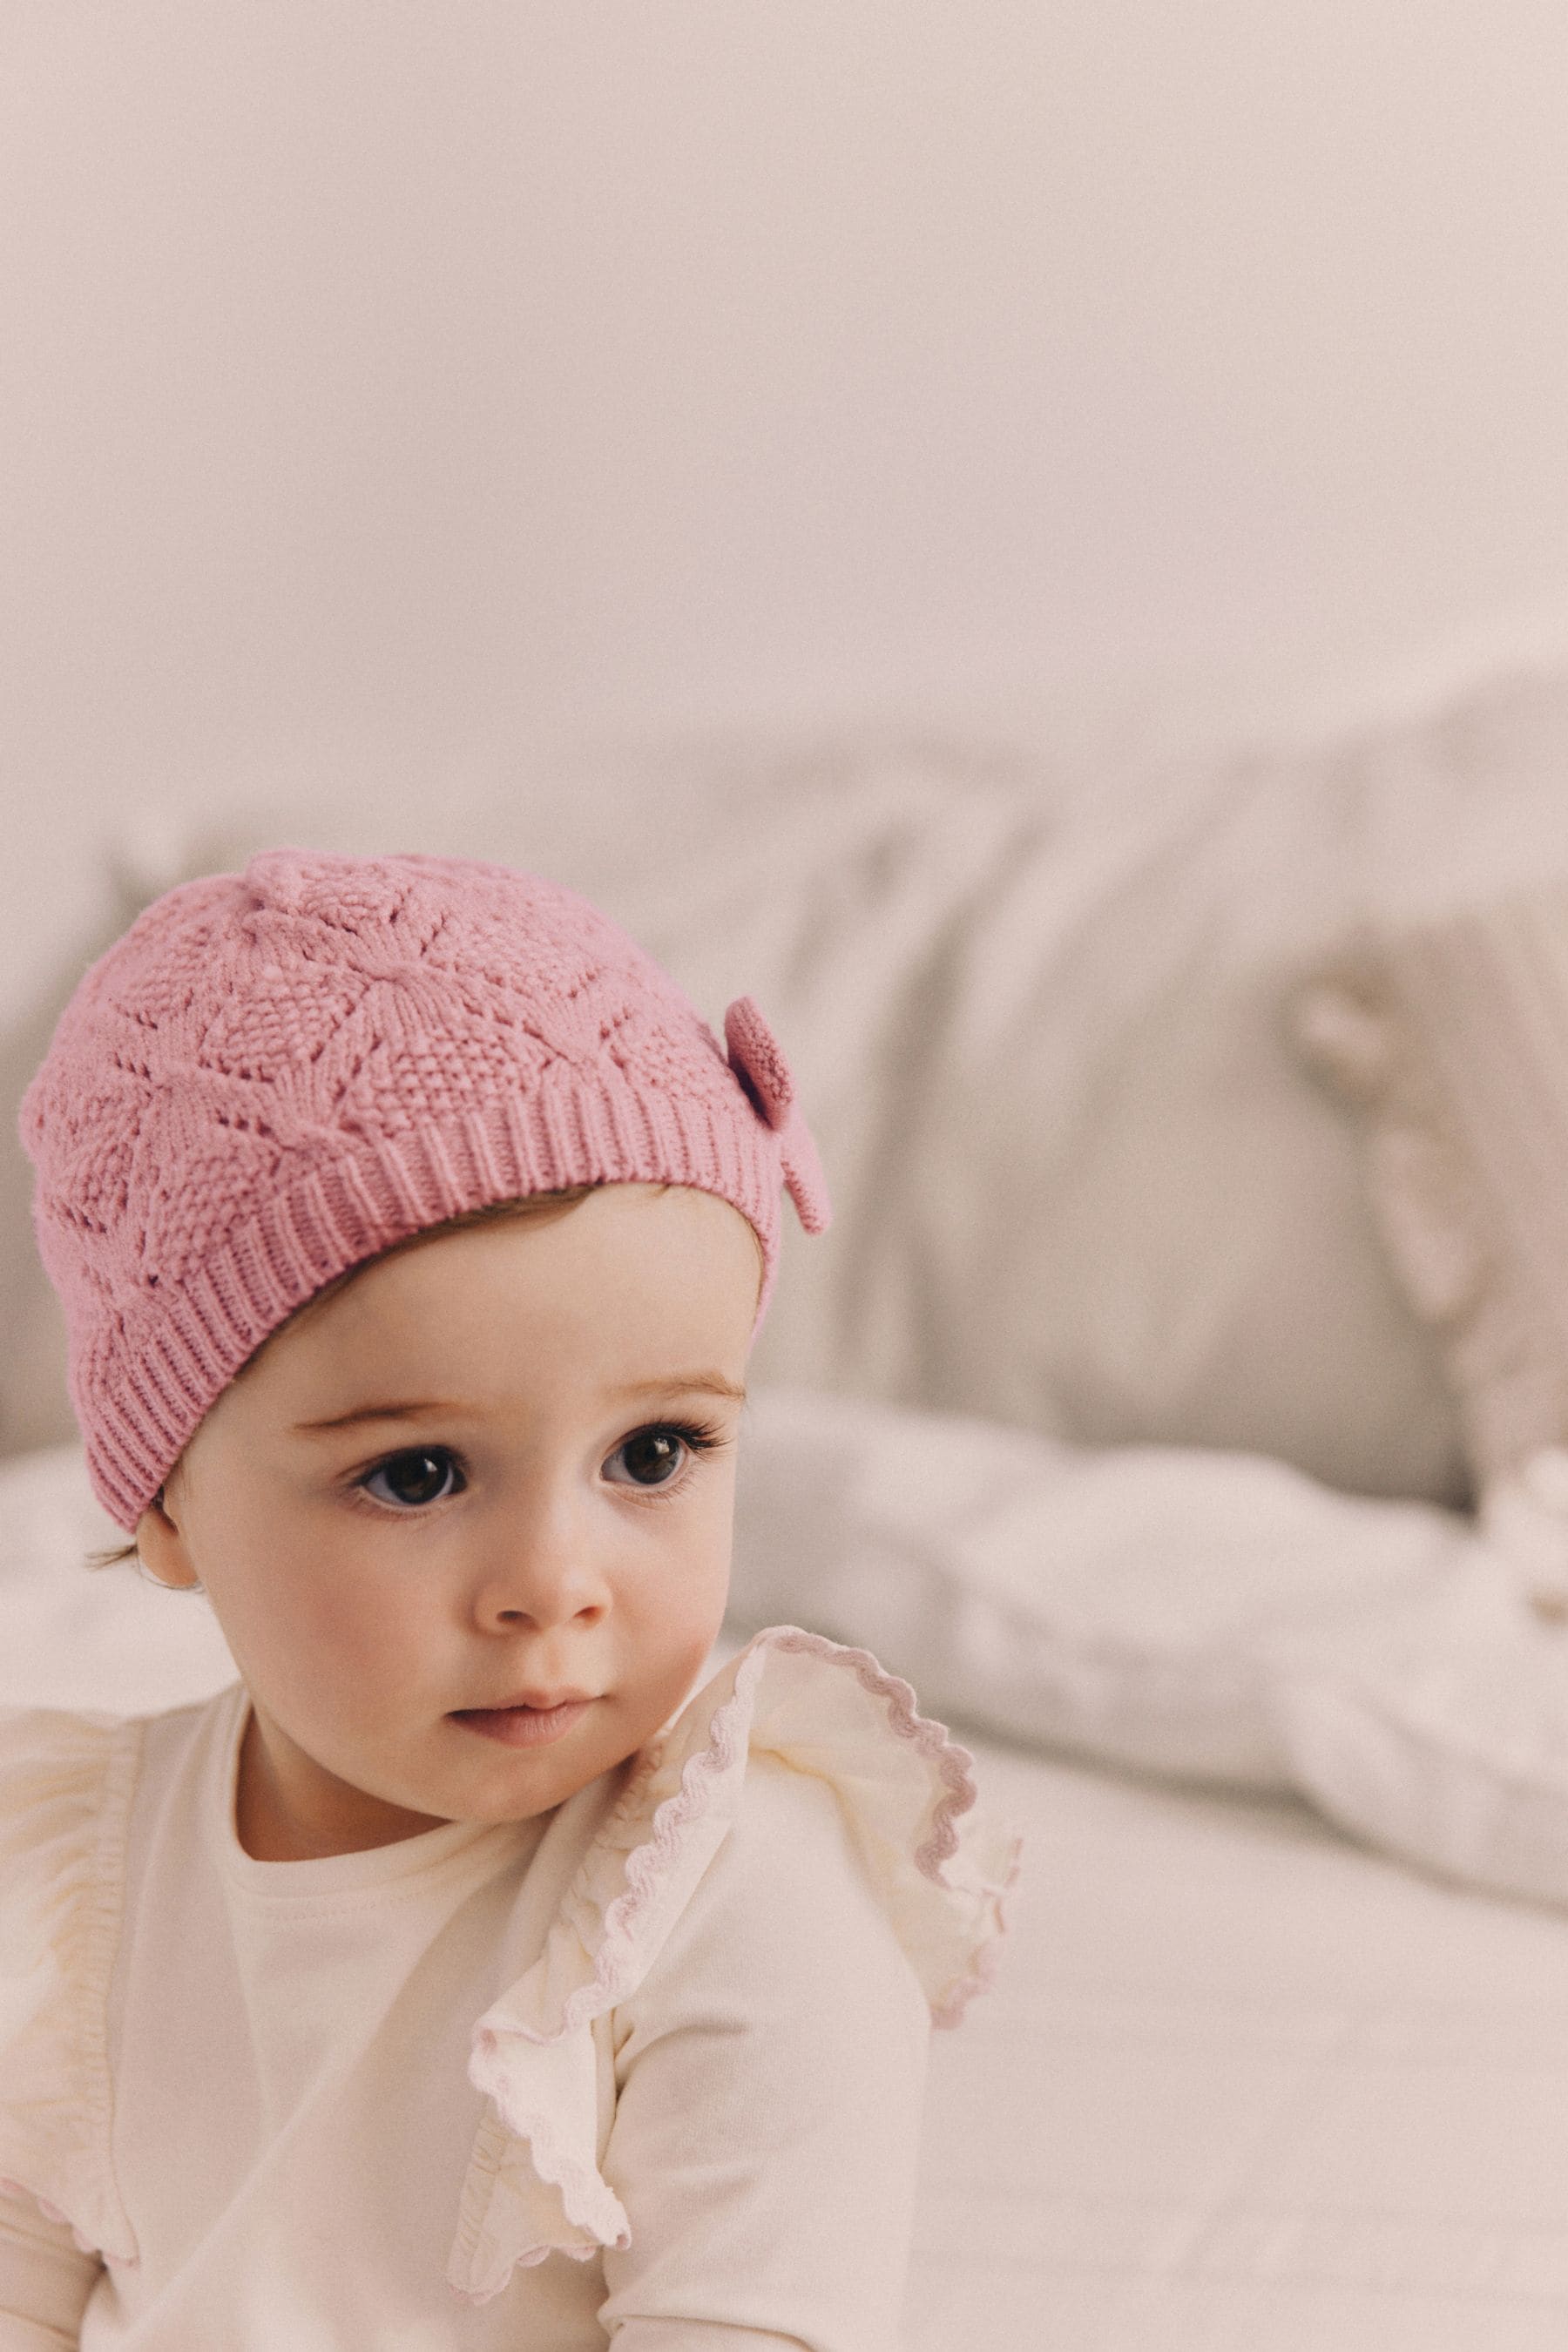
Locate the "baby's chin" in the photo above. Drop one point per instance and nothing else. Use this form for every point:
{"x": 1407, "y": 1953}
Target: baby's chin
{"x": 501, "y": 1783}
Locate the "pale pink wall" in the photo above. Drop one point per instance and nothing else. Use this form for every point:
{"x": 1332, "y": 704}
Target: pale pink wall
{"x": 384, "y": 384}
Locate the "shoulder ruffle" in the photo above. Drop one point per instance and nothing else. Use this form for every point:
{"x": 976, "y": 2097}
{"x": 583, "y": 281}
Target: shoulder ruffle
{"x": 908, "y": 1795}
{"x": 66, "y": 1784}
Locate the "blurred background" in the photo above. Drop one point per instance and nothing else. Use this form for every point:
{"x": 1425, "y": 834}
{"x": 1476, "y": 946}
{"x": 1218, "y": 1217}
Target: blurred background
{"x": 390, "y": 393}
{"x": 1033, "y": 537}
{"x": 1006, "y": 531}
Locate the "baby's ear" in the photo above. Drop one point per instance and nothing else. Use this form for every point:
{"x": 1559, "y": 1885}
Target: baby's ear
{"x": 162, "y": 1547}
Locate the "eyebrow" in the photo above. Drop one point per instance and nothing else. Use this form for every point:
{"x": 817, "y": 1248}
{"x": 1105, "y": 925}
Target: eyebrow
{"x": 678, "y": 1384}
{"x": 400, "y": 1412}
{"x": 685, "y": 1384}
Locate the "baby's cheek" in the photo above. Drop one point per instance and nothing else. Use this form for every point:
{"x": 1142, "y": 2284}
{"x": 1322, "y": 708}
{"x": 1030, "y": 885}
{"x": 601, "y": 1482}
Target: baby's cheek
{"x": 680, "y": 1665}
{"x": 356, "y": 1644}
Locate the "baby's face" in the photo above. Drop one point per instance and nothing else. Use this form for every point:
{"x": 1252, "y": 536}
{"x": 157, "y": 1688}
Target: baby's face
{"x": 477, "y": 1474}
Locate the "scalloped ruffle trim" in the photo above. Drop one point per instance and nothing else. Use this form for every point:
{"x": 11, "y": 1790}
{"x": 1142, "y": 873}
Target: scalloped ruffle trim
{"x": 908, "y": 1794}
{"x": 65, "y": 1786}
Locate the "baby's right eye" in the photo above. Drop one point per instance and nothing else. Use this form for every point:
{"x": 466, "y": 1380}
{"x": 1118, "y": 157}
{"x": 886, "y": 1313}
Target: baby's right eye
{"x": 415, "y": 1476}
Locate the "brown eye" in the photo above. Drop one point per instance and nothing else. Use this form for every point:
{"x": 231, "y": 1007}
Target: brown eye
{"x": 651, "y": 1457}
{"x": 415, "y": 1476}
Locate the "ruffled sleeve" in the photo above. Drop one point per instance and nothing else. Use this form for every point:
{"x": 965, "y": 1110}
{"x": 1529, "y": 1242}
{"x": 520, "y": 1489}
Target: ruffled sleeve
{"x": 66, "y": 1785}
{"x": 936, "y": 1869}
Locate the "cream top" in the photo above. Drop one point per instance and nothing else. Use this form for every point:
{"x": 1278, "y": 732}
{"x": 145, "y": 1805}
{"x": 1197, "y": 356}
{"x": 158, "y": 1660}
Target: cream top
{"x": 654, "y": 2059}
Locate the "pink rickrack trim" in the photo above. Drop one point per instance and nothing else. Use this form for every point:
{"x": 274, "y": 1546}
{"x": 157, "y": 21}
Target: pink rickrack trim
{"x": 955, "y": 1764}
{"x": 559, "y": 2171}
{"x": 649, "y": 1863}
{"x": 728, "y": 1735}
{"x": 586, "y": 2198}
{"x": 617, "y": 1944}
{"x": 983, "y": 1975}
{"x": 84, "y": 2245}
{"x": 480, "y": 2264}
{"x": 956, "y": 1767}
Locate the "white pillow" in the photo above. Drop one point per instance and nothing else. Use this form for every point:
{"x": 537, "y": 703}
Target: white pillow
{"x": 1435, "y": 1725}
{"x": 1218, "y": 1618}
{"x": 1129, "y": 1603}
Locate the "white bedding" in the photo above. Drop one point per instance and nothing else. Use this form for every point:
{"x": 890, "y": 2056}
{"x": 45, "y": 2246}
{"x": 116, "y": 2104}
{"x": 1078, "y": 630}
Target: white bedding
{"x": 1242, "y": 2087}
{"x": 1211, "y": 1616}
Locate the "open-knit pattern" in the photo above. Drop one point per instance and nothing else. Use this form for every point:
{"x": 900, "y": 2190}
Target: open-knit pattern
{"x": 273, "y": 1076}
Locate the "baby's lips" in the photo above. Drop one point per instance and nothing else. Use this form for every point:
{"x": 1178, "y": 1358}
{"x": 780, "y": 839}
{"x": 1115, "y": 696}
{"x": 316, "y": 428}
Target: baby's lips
{"x": 757, "y": 1061}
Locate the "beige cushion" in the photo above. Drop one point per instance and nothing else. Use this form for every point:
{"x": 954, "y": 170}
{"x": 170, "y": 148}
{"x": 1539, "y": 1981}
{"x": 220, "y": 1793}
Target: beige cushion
{"x": 1449, "y": 1038}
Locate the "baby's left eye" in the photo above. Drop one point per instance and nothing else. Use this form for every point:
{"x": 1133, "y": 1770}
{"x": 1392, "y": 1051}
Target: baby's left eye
{"x": 650, "y": 1457}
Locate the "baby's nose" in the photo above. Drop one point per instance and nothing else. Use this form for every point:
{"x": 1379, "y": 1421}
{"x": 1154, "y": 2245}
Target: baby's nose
{"x": 543, "y": 1577}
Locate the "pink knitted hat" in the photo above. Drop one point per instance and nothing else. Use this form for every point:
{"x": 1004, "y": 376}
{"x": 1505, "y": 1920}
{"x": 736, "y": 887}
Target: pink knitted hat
{"x": 274, "y": 1074}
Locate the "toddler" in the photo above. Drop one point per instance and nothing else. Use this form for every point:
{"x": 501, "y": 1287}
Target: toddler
{"x": 463, "y": 1975}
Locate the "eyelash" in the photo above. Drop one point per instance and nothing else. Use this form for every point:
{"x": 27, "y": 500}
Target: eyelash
{"x": 698, "y": 1437}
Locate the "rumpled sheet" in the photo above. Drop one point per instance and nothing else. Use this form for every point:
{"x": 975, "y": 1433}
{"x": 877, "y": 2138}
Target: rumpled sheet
{"x": 1212, "y": 1617}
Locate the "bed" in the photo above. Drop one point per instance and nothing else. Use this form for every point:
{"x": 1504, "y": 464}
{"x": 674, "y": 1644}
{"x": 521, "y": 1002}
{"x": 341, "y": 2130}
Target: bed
{"x": 1243, "y": 2083}
{"x": 1115, "y": 1414}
